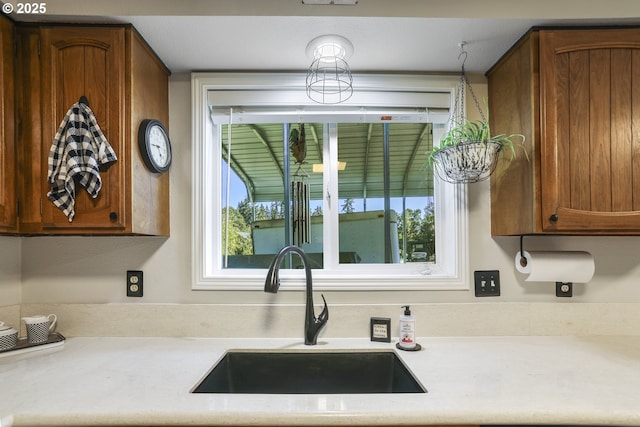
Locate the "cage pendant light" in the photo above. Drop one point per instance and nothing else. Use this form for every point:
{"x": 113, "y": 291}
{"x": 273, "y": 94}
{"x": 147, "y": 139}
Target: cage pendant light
{"x": 329, "y": 79}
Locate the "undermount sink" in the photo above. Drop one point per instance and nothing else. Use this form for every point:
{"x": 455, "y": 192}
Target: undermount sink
{"x": 305, "y": 372}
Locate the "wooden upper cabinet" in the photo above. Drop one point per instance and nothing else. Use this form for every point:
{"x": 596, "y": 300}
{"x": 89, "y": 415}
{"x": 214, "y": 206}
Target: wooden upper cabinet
{"x": 80, "y": 61}
{"x": 124, "y": 83}
{"x": 8, "y": 219}
{"x": 575, "y": 95}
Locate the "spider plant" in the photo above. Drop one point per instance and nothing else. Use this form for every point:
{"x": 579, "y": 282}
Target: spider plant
{"x": 478, "y": 131}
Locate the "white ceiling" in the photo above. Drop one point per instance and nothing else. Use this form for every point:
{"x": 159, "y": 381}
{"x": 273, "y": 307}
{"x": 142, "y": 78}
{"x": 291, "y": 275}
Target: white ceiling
{"x": 278, "y": 43}
{"x": 387, "y": 35}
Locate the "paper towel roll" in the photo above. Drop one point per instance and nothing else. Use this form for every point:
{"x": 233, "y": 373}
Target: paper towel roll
{"x": 556, "y": 266}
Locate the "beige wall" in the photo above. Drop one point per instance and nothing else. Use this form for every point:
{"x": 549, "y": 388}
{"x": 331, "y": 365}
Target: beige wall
{"x": 92, "y": 269}
{"x": 78, "y": 277}
{"x": 10, "y": 279}
{"x": 10, "y": 270}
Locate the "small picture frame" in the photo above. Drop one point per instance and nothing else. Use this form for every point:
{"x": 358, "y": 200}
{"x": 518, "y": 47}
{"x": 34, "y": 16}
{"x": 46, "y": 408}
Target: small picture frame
{"x": 381, "y": 329}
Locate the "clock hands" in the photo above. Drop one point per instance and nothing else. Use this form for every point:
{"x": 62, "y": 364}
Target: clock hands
{"x": 161, "y": 152}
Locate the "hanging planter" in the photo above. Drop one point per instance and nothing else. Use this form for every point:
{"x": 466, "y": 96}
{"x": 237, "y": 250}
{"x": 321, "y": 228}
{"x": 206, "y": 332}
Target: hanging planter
{"x": 470, "y": 161}
{"x": 468, "y": 152}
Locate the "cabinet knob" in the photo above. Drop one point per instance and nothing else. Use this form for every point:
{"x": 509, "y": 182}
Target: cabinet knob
{"x": 113, "y": 216}
{"x": 553, "y": 218}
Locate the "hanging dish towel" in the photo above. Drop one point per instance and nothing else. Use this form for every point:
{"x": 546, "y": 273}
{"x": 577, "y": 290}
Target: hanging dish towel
{"x": 77, "y": 152}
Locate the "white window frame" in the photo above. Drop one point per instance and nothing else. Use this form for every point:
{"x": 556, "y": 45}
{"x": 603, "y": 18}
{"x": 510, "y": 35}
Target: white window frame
{"x": 435, "y": 93}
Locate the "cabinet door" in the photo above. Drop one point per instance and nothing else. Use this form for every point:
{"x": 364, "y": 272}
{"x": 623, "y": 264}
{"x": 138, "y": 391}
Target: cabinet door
{"x": 590, "y": 103}
{"x": 7, "y": 134}
{"x": 85, "y": 61}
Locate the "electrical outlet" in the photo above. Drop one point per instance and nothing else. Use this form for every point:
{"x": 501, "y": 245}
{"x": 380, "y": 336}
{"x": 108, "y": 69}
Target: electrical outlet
{"x": 487, "y": 283}
{"x": 134, "y": 283}
{"x": 564, "y": 289}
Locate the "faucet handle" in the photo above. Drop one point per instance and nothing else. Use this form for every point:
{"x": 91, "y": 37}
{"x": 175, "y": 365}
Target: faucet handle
{"x": 324, "y": 315}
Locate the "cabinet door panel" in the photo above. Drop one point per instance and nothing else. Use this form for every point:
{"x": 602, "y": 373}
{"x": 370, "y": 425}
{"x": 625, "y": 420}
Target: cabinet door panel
{"x": 589, "y": 146}
{"x": 29, "y": 130}
{"x": 621, "y": 131}
{"x": 77, "y": 62}
{"x": 7, "y": 135}
{"x": 600, "y": 130}
{"x": 635, "y": 131}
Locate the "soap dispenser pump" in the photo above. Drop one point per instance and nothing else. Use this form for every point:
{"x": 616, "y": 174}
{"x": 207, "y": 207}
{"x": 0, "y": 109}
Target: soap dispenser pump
{"x": 407, "y": 337}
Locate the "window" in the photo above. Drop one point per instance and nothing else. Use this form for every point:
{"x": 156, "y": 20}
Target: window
{"x": 361, "y": 203}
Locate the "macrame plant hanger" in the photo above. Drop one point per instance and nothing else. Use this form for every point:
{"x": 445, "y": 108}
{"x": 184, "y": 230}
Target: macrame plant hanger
{"x": 300, "y": 189}
{"x": 468, "y": 160}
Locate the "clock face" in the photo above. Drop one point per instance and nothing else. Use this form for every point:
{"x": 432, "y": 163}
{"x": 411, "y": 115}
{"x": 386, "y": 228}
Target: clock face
{"x": 159, "y": 149}
{"x": 155, "y": 146}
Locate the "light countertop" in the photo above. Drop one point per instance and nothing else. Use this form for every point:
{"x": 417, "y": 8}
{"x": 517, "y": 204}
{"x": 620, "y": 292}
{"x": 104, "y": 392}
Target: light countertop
{"x": 470, "y": 380}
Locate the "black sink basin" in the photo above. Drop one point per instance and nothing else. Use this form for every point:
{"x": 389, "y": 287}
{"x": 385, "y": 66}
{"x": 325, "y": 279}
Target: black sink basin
{"x": 269, "y": 372}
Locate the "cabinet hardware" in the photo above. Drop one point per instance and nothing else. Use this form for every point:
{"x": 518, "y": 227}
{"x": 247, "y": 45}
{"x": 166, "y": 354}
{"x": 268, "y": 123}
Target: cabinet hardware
{"x": 553, "y": 218}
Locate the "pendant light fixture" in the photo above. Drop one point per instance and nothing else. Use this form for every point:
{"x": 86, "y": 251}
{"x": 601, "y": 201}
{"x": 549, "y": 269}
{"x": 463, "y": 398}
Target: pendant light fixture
{"x": 329, "y": 79}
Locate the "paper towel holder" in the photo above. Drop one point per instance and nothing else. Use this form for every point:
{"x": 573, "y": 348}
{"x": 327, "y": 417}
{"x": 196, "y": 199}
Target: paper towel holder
{"x": 523, "y": 260}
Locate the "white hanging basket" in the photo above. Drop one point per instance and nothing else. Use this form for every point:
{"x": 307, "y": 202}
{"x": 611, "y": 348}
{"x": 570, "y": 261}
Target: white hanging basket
{"x": 467, "y": 162}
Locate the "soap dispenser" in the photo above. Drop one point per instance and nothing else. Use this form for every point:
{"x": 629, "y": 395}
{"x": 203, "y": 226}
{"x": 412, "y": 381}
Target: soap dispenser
{"x": 407, "y": 337}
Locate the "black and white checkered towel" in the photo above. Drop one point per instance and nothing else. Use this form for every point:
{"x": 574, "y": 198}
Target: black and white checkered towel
{"x": 77, "y": 152}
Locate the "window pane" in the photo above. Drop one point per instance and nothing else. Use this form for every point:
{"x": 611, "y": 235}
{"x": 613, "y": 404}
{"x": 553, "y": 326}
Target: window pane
{"x": 406, "y": 233}
{"x": 251, "y": 192}
{"x": 263, "y": 215}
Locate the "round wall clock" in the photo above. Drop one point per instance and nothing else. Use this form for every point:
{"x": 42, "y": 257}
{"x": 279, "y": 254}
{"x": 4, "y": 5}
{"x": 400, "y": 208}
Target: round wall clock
{"x": 155, "y": 146}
